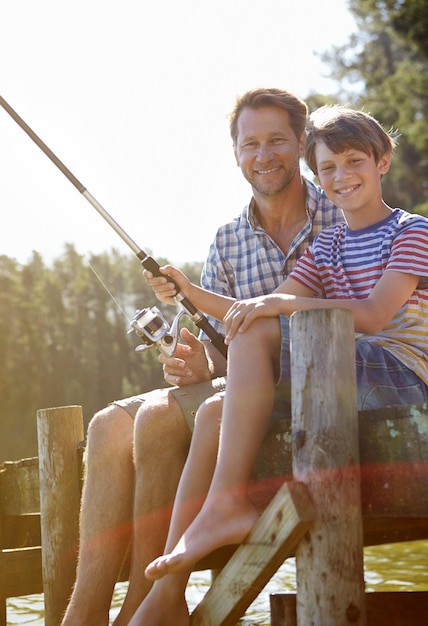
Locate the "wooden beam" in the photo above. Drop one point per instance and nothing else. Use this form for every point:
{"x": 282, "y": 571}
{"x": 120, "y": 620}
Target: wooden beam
{"x": 272, "y": 540}
{"x": 384, "y": 608}
{"x": 21, "y": 572}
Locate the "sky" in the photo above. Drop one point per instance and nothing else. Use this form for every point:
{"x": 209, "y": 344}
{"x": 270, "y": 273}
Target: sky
{"x": 133, "y": 97}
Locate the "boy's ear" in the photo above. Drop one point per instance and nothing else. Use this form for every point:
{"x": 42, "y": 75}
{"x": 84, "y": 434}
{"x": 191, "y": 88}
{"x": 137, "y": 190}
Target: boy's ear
{"x": 384, "y": 163}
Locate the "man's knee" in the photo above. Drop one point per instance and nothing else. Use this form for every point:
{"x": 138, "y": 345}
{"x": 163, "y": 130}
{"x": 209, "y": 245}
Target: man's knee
{"x": 160, "y": 426}
{"x": 110, "y": 429}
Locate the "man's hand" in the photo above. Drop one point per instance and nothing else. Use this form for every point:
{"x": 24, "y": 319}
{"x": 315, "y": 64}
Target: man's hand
{"x": 189, "y": 364}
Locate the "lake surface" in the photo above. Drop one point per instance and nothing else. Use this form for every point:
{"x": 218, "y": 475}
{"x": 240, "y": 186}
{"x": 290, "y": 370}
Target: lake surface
{"x": 395, "y": 567}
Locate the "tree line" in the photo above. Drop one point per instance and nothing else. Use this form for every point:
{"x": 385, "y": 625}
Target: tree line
{"x": 64, "y": 340}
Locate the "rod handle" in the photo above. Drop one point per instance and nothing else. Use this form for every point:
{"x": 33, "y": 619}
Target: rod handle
{"x": 150, "y": 264}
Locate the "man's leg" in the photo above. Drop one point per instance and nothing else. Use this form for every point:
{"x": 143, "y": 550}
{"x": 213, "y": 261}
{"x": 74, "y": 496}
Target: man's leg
{"x": 106, "y": 514}
{"x": 165, "y": 604}
{"x": 161, "y": 443}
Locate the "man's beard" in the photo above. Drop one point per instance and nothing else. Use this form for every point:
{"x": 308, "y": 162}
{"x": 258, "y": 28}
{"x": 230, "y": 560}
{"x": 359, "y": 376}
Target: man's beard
{"x": 274, "y": 187}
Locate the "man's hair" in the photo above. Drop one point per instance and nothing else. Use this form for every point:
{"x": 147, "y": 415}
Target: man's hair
{"x": 258, "y": 98}
{"x": 341, "y": 128}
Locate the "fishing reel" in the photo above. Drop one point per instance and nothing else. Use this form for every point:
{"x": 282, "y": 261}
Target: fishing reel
{"x": 152, "y": 327}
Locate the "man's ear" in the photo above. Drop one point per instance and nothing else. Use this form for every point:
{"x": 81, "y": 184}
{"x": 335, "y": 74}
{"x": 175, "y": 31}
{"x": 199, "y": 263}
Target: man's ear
{"x": 235, "y": 152}
{"x": 302, "y": 145}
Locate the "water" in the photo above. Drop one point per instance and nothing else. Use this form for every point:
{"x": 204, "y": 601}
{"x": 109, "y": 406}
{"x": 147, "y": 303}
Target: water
{"x": 395, "y": 567}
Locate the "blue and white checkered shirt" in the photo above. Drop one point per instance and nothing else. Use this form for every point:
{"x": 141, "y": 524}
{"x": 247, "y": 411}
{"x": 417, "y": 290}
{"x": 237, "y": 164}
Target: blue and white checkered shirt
{"x": 244, "y": 262}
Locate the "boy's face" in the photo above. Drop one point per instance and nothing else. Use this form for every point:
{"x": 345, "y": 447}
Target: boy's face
{"x": 351, "y": 180}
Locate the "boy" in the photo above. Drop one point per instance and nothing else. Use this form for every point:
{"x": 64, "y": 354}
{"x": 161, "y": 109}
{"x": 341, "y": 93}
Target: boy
{"x": 376, "y": 266}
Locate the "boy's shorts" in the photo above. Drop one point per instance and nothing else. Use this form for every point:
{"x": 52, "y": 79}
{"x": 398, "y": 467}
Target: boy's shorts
{"x": 382, "y": 380}
{"x": 189, "y": 398}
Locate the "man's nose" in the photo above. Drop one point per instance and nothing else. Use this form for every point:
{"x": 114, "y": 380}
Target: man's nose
{"x": 264, "y": 153}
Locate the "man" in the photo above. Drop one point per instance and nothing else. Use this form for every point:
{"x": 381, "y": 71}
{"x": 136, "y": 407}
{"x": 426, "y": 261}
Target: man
{"x": 250, "y": 256}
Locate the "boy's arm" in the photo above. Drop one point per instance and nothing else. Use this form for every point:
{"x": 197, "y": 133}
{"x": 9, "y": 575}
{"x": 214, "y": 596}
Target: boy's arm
{"x": 371, "y": 314}
{"x": 206, "y": 301}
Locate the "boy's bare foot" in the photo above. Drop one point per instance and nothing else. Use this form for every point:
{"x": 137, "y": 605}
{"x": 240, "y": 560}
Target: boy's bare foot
{"x": 221, "y": 521}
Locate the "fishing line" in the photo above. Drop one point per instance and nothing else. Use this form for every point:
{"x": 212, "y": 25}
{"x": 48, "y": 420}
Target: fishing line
{"x": 117, "y": 303}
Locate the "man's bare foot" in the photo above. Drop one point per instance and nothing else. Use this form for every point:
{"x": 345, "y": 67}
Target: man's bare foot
{"x": 220, "y": 522}
{"x": 164, "y": 605}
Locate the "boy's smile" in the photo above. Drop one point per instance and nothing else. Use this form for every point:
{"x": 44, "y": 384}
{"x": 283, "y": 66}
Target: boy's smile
{"x": 351, "y": 180}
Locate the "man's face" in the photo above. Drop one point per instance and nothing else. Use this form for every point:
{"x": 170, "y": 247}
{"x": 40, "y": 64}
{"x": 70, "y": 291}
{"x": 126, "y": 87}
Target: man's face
{"x": 267, "y": 150}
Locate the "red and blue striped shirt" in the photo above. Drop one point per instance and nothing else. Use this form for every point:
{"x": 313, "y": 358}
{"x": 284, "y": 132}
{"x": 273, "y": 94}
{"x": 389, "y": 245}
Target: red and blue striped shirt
{"x": 346, "y": 264}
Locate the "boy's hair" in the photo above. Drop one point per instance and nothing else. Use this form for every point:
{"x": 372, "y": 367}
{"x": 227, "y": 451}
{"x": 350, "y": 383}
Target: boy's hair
{"x": 257, "y": 98}
{"x": 341, "y": 128}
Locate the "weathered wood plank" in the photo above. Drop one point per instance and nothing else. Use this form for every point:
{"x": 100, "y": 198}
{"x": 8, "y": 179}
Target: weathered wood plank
{"x": 21, "y": 572}
{"x": 393, "y": 448}
{"x": 384, "y": 608}
{"x": 20, "y": 531}
{"x": 19, "y": 487}
{"x": 272, "y": 540}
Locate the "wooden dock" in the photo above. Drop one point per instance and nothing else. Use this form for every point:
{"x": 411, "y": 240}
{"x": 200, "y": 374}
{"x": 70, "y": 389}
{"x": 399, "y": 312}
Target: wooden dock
{"x": 328, "y": 481}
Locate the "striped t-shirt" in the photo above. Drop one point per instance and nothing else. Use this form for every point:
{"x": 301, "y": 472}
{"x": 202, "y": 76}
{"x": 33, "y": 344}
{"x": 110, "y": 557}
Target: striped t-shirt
{"x": 344, "y": 263}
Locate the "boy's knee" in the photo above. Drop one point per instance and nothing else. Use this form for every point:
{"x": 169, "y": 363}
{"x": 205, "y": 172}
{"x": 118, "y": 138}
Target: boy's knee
{"x": 210, "y": 411}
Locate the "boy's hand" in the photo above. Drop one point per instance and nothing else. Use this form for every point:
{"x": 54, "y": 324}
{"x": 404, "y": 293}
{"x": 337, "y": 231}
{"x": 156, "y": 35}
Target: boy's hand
{"x": 165, "y": 290}
{"x": 189, "y": 364}
{"x": 243, "y": 312}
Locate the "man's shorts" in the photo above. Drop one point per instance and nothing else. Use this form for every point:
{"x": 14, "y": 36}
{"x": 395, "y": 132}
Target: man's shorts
{"x": 189, "y": 398}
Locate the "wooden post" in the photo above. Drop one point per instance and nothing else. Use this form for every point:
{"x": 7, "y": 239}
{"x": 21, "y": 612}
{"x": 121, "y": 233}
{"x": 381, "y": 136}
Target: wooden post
{"x": 329, "y": 560}
{"x": 59, "y": 432}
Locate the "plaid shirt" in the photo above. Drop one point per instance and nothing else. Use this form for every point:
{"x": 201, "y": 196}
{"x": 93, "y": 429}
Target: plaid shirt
{"x": 244, "y": 262}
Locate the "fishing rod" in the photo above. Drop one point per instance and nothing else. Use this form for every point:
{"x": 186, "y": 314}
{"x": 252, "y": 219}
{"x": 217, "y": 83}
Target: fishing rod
{"x": 147, "y": 326}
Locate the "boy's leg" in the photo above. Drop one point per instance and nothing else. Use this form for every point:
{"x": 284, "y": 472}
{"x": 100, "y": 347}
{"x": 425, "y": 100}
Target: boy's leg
{"x": 228, "y": 515}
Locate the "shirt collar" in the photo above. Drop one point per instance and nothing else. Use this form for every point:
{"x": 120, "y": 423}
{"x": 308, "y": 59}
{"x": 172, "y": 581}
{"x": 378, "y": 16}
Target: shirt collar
{"x": 312, "y": 197}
